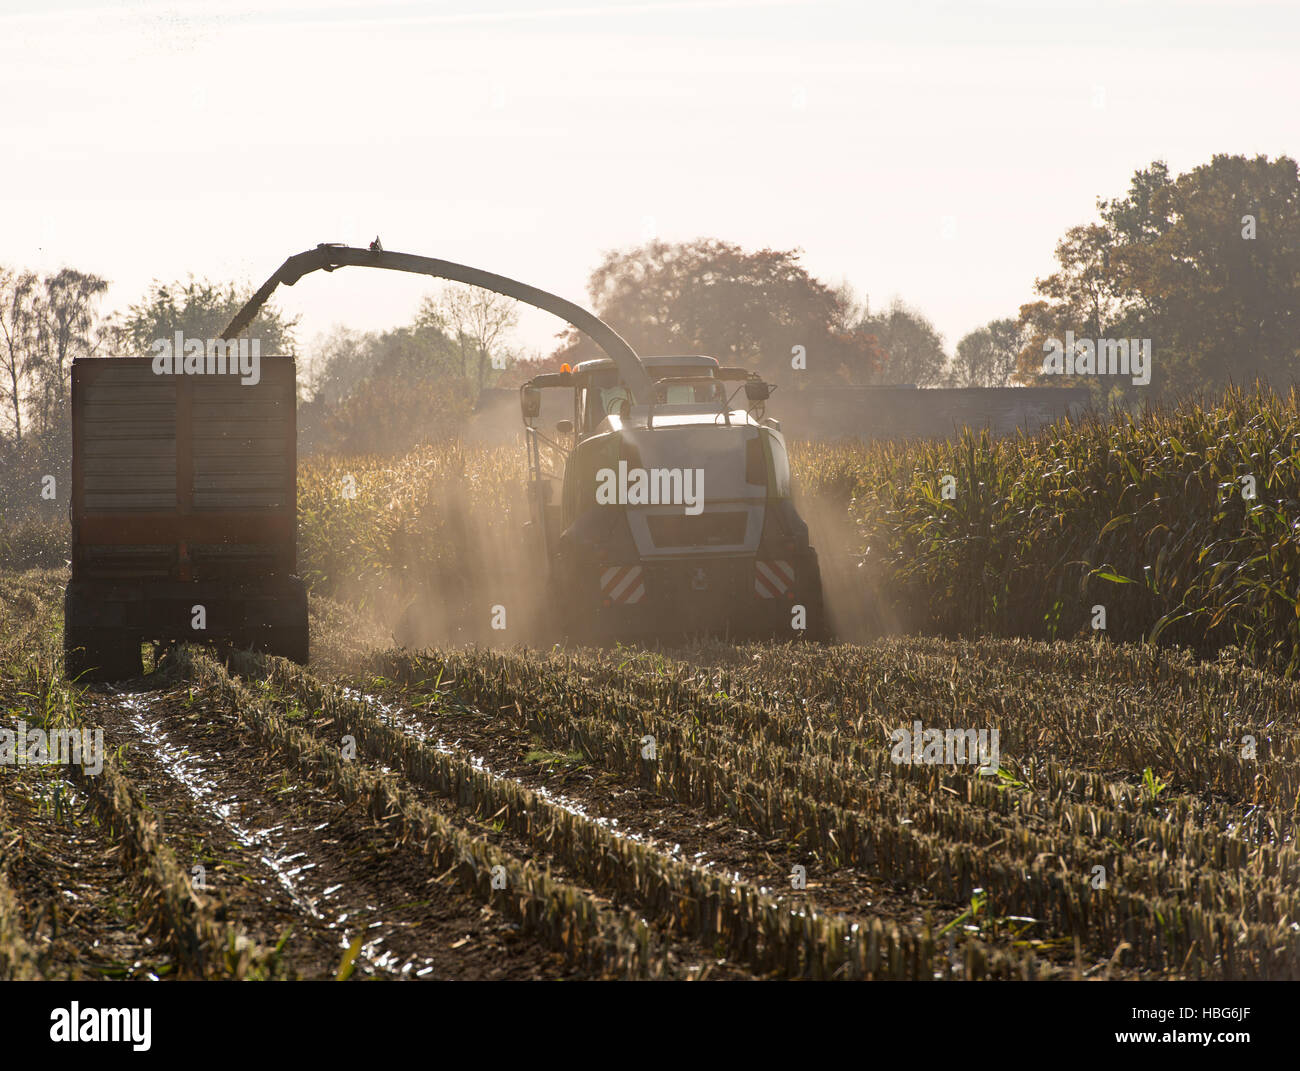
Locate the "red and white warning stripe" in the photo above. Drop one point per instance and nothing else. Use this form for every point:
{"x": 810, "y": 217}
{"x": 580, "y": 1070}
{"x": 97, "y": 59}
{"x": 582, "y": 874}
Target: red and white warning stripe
{"x": 622, "y": 584}
{"x": 773, "y": 579}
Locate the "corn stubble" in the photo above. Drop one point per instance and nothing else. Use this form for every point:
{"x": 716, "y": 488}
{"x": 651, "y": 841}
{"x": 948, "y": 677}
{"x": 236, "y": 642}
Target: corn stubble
{"x": 1199, "y": 881}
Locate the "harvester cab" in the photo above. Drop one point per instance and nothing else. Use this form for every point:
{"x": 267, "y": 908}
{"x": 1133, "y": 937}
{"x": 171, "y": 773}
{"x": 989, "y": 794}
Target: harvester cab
{"x": 668, "y": 511}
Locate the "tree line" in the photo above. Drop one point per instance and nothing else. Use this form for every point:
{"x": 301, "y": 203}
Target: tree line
{"x": 1205, "y": 265}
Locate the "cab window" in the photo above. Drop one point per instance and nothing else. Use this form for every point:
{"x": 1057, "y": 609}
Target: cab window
{"x": 599, "y": 402}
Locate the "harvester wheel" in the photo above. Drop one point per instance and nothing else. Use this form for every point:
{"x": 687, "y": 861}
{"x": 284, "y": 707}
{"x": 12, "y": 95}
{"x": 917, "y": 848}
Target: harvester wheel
{"x": 818, "y": 612}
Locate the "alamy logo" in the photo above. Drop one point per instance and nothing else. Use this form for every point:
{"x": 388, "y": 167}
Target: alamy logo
{"x": 946, "y": 747}
{"x": 651, "y": 487}
{"x": 75, "y": 1023}
{"x": 1103, "y": 357}
{"x": 67, "y": 747}
{"x": 214, "y": 356}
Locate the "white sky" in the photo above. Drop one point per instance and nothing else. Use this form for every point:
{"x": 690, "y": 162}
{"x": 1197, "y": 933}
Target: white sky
{"x": 934, "y": 151}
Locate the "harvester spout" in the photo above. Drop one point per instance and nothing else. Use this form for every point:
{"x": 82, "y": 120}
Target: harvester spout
{"x": 328, "y": 257}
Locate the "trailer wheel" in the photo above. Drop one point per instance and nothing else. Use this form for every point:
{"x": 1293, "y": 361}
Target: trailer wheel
{"x": 287, "y": 641}
{"x": 101, "y": 654}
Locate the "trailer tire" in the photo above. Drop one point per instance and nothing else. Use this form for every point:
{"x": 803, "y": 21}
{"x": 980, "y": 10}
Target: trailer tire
{"x": 101, "y": 654}
{"x": 287, "y": 641}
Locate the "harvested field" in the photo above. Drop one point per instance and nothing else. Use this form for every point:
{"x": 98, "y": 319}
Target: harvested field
{"x": 719, "y": 811}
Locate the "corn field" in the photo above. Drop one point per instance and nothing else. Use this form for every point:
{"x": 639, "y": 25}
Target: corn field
{"x": 1182, "y": 524}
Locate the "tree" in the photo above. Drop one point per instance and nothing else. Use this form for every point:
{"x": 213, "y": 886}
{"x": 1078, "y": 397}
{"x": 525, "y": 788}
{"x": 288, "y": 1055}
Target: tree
{"x": 760, "y": 310}
{"x": 912, "y": 348}
{"x": 17, "y": 340}
{"x": 479, "y": 321}
{"x": 200, "y": 309}
{"x": 338, "y": 362}
{"x": 64, "y": 315}
{"x": 988, "y": 356}
{"x": 384, "y": 393}
{"x": 1204, "y": 265}
{"x": 45, "y": 324}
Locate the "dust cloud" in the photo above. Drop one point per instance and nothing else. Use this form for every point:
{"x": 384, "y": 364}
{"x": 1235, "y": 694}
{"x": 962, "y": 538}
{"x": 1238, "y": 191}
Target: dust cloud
{"x": 492, "y": 590}
{"x": 852, "y": 583}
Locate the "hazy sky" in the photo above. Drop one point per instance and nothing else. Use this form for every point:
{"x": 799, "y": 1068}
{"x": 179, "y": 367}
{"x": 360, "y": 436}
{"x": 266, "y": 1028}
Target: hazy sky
{"x": 933, "y": 151}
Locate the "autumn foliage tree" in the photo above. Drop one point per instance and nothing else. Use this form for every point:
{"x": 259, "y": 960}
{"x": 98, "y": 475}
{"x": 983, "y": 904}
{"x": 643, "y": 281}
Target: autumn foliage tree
{"x": 910, "y": 348}
{"x": 1205, "y": 264}
{"x": 753, "y": 309}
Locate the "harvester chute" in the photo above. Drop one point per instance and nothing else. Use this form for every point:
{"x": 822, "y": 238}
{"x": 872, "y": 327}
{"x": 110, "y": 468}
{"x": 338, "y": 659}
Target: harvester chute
{"x": 328, "y": 257}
